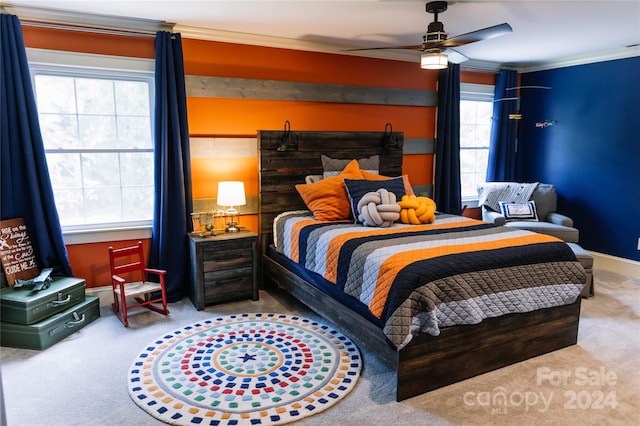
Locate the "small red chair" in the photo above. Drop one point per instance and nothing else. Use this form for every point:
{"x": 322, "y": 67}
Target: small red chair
{"x": 129, "y": 280}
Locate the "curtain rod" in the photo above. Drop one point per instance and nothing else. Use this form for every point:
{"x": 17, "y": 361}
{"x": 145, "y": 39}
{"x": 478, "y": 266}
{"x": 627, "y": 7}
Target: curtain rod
{"x": 87, "y": 29}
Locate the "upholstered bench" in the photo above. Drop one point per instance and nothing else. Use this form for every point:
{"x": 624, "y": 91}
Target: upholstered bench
{"x": 586, "y": 260}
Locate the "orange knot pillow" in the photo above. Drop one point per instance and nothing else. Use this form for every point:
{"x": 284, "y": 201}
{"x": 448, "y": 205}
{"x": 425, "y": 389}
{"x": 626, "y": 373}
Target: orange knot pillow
{"x": 378, "y": 208}
{"x": 416, "y": 210}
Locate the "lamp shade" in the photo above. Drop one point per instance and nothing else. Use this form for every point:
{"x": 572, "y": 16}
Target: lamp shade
{"x": 433, "y": 60}
{"x": 231, "y": 193}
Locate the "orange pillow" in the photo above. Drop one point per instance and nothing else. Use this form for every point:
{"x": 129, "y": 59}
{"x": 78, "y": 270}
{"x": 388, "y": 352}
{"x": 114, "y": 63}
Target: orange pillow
{"x": 328, "y": 199}
{"x": 374, "y": 176}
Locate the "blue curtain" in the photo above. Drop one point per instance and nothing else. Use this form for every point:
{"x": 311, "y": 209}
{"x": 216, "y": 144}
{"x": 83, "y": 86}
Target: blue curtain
{"x": 25, "y": 186}
{"x": 173, "y": 201}
{"x": 447, "y": 191}
{"x": 502, "y": 144}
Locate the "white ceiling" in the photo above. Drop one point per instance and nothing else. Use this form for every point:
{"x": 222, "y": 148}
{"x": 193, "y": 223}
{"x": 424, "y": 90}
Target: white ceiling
{"x": 545, "y": 32}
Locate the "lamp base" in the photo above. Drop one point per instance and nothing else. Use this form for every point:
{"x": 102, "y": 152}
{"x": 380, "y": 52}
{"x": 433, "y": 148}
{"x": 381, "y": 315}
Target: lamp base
{"x": 232, "y": 227}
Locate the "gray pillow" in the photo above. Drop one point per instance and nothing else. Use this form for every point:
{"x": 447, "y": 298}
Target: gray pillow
{"x": 333, "y": 166}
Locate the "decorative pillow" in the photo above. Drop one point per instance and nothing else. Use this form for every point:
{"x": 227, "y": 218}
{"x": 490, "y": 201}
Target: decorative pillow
{"x": 333, "y": 166}
{"x": 327, "y": 199}
{"x": 417, "y": 210}
{"x": 375, "y": 176}
{"x": 378, "y": 209}
{"x": 356, "y": 189}
{"x": 519, "y": 211}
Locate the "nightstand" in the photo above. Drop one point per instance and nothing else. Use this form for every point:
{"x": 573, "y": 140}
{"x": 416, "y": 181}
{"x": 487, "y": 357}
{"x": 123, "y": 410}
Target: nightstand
{"x": 223, "y": 268}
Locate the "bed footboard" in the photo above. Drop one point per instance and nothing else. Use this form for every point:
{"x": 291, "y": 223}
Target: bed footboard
{"x": 462, "y": 352}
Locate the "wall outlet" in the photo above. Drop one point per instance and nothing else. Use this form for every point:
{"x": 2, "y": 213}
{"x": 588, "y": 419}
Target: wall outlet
{"x": 638, "y": 243}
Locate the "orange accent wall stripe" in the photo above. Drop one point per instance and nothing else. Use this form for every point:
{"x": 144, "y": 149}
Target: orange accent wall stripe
{"x": 86, "y": 42}
{"x": 391, "y": 266}
{"x": 419, "y": 167}
{"x": 477, "y": 77}
{"x": 215, "y": 116}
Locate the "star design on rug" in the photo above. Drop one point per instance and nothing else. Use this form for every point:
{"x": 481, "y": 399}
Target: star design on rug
{"x": 247, "y": 357}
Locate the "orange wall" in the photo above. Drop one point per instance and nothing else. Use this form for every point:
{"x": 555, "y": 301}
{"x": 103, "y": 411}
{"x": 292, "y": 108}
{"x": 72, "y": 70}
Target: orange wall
{"x": 477, "y": 77}
{"x": 243, "y": 117}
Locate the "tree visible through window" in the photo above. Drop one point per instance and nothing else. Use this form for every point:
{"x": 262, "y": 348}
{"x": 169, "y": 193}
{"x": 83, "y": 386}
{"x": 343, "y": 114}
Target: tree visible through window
{"x": 475, "y": 130}
{"x": 98, "y": 141}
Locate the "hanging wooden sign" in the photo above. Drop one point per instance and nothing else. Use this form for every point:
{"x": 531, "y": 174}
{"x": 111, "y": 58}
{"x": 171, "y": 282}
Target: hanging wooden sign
{"x": 16, "y": 252}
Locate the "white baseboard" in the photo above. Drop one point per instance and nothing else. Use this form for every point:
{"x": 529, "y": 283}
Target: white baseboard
{"x": 619, "y": 265}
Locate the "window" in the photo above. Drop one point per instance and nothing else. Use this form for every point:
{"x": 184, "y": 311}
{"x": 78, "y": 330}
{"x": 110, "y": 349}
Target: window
{"x": 476, "y": 109}
{"x": 96, "y": 126}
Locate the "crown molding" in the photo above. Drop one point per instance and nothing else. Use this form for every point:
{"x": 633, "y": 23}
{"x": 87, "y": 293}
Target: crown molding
{"x": 86, "y": 20}
{"x": 612, "y": 55}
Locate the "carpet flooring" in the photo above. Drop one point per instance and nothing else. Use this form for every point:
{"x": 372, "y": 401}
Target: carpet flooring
{"x": 83, "y": 379}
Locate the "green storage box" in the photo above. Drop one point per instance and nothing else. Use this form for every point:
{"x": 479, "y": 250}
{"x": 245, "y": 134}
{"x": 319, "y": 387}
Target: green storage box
{"x": 25, "y": 306}
{"x": 51, "y": 330}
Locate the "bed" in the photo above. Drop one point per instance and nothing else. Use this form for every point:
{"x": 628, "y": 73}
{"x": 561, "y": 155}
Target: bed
{"x": 421, "y": 361}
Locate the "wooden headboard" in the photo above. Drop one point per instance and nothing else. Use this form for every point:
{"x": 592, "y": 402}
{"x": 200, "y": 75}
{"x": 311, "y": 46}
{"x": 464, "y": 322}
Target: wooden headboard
{"x": 286, "y": 158}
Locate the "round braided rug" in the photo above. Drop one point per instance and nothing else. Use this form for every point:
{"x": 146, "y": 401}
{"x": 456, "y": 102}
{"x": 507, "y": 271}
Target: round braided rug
{"x": 253, "y": 369}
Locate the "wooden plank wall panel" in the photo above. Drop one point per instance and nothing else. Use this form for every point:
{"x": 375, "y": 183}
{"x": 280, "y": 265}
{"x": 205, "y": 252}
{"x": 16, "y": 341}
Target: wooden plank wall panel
{"x": 243, "y": 88}
{"x": 419, "y": 146}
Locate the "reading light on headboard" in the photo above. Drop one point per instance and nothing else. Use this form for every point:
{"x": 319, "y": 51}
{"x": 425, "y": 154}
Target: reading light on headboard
{"x": 230, "y": 194}
{"x": 288, "y": 140}
{"x": 390, "y": 139}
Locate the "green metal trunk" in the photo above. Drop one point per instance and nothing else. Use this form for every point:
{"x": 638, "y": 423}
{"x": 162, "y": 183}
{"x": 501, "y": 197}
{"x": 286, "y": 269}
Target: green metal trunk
{"x": 53, "y": 329}
{"x": 24, "y": 306}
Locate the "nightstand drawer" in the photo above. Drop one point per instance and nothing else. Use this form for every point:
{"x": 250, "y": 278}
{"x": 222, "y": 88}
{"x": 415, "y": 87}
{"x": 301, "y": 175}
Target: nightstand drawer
{"x": 215, "y": 258}
{"x": 224, "y": 268}
{"x": 227, "y": 285}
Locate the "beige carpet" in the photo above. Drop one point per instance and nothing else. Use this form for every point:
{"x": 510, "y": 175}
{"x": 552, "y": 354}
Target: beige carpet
{"x": 82, "y": 380}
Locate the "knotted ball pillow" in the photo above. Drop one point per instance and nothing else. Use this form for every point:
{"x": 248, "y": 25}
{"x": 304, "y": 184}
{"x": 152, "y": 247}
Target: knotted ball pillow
{"x": 416, "y": 210}
{"x": 378, "y": 208}
{"x": 358, "y": 188}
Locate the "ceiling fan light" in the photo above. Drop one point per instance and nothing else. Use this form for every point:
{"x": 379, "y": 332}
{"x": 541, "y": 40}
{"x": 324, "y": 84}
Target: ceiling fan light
{"x": 433, "y": 61}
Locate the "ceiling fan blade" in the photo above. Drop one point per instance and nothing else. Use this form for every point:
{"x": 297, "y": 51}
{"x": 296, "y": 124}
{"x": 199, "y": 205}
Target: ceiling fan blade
{"x": 454, "y": 56}
{"x": 412, "y": 47}
{"x": 483, "y": 34}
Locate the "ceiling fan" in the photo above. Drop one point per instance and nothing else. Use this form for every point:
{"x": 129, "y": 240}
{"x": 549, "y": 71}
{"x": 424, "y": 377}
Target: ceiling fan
{"x": 436, "y": 45}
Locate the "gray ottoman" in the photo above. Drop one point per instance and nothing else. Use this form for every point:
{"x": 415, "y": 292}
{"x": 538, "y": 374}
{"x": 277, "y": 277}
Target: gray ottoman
{"x": 586, "y": 260}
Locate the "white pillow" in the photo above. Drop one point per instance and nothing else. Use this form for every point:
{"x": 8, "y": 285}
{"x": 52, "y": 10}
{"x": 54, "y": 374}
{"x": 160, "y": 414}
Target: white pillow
{"x": 519, "y": 211}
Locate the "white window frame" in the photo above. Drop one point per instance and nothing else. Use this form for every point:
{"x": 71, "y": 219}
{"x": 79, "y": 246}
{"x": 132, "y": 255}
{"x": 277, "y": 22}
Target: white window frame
{"x": 48, "y": 61}
{"x": 475, "y": 92}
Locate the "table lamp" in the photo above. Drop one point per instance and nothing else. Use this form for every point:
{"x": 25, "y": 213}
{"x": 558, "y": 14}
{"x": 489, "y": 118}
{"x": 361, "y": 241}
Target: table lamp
{"x": 231, "y": 194}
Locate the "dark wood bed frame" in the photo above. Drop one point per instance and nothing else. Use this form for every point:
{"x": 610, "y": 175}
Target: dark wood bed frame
{"x": 427, "y": 362}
